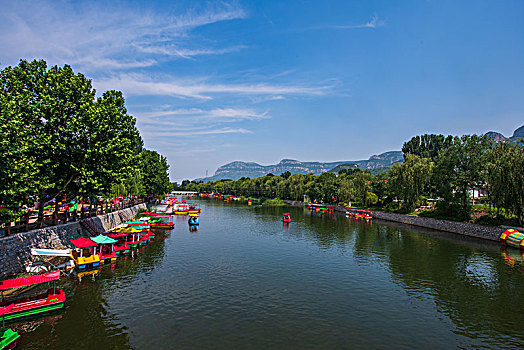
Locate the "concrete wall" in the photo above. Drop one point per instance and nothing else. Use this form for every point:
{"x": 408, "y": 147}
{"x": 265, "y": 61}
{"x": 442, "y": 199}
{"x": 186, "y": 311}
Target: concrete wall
{"x": 462, "y": 228}
{"x": 15, "y": 250}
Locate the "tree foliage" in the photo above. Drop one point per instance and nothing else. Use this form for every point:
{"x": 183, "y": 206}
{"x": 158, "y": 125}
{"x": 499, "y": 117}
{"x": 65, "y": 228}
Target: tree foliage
{"x": 56, "y": 138}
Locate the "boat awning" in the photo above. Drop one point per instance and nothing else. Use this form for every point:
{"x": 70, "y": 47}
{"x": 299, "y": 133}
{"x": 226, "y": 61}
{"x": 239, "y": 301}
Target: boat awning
{"x": 27, "y": 281}
{"x": 51, "y": 252}
{"x": 285, "y": 214}
{"x": 83, "y": 242}
{"x": 4, "y": 310}
{"x": 117, "y": 235}
{"x": 101, "y": 239}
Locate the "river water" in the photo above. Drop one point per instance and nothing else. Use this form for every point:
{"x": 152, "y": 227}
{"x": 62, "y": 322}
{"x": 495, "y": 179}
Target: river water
{"x": 246, "y": 281}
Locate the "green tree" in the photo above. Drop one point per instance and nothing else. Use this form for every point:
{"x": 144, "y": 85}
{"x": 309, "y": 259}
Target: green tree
{"x": 427, "y": 145}
{"x": 408, "y": 179}
{"x": 505, "y": 178}
{"x": 460, "y": 169}
{"x": 155, "y": 169}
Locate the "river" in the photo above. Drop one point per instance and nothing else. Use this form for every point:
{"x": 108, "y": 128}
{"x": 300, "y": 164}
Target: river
{"x": 246, "y": 281}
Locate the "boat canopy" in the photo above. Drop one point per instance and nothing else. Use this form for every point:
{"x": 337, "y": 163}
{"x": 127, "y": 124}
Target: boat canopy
{"x": 117, "y": 235}
{"x": 101, "y": 239}
{"x": 51, "y": 252}
{"x": 6, "y": 309}
{"x": 83, "y": 242}
{"x": 321, "y": 205}
{"x": 286, "y": 214}
{"x": 30, "y": 280}
{"x": 128, "y": 230}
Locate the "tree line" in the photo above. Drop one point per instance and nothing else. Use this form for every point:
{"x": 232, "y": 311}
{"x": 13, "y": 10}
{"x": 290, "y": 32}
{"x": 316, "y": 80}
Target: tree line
{"x": 58, "y": 138}
{"x": 444, "y": 170}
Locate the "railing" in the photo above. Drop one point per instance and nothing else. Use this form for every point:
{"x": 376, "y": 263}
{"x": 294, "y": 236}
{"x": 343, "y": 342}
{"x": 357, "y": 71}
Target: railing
{"x": 31, "y": 220}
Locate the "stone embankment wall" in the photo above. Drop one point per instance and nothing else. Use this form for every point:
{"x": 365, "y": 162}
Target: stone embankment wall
{"x": 15, "y": 250}
{"x": 461, "y": 228}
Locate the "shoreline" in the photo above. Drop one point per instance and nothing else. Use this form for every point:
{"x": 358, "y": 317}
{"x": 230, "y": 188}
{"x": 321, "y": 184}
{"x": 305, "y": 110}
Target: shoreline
{"x": 15, "y": 250}
{"x": 490, "y": 233}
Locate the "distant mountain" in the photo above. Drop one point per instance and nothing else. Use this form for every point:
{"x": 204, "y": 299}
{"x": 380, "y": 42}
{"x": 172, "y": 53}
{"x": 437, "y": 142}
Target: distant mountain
{"x": 518, "y": 133}
{"x": 343, "y": 167}
{"x": 498, "y": 137}
{"x": 237, "y": 170}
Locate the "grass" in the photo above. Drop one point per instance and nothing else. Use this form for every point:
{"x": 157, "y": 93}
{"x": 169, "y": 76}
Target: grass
{"x": 273, "y": 203}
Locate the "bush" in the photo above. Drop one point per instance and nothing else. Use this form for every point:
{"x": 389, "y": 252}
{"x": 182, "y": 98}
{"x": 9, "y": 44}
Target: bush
{"x": 273, "y": 203}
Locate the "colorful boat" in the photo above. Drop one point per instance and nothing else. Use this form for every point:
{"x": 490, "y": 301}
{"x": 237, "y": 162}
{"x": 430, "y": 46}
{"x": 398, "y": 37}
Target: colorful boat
{"x": 85, "y": 254}
{"x": 181, "y": 209}
{"x": 286, "y": 218}
{"x": 8, "y": 337}
{"x": 105, "y": 249}
{"x": 359, "y": 213}
{"x": 121, "y": 247}
{"x": 194, "y": 208}
{"x": 51, "y": 300}
{"x": 163, "y": 225}
{"x": 512, "y": 238}
{"x": 321, "y": 207}
{"x": 193, "y": 220}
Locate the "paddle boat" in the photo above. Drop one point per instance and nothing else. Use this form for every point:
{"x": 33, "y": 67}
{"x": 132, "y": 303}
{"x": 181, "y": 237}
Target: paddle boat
{"x": 85, "y": 253}
{"x": 44, "y": 264}
{"x": 321, "y": 207}
{"x": 133, "y": 238}
{"x": 163, "y": 225}
{"x": 193, "y": 220}
{"x": 120, "y": 247}
{"x": 8, "y": 337}
{"x": 181, "y": 209}
{"x": 105, "y": 248}
{"x": 193, "y": 208}
{"x": 52, "y": 299}
{"x": 286, "y": 218}
{"x": 512, "y": 238}
{"x": 359, "y": 213}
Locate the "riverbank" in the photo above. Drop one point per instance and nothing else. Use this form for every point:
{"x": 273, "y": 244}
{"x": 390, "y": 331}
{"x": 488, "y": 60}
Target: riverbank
{"x": 461, "y": 228}
{"x": 15, "y": 250}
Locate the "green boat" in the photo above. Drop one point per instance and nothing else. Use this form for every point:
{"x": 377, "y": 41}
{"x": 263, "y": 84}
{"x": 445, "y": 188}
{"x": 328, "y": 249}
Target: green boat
{"x": 9, "y": 338}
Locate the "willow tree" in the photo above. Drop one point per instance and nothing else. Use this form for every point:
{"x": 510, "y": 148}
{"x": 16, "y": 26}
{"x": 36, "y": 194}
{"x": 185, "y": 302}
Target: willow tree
{"x": 408, "y": 179}
{"x": 505, "y": 178}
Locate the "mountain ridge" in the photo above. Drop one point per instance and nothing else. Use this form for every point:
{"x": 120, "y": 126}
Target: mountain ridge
{"x": 238, "y": 169}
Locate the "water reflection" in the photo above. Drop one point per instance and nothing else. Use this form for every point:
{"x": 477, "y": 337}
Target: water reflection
{"x": 245, "y": 280}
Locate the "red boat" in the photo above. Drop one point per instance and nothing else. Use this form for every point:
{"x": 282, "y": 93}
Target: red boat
{"x": 51, "y": 300}
{"x": 163, "y": 225}
{"x": 286, "y": 218}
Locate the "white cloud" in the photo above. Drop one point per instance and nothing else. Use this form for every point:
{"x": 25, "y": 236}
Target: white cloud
{"x": 374, "y": 22}
{"x": 110, "y": 36}
{"x": 217, "y": 114}
{"x": 139, "y": 84}
{"x": 189, "y": 133}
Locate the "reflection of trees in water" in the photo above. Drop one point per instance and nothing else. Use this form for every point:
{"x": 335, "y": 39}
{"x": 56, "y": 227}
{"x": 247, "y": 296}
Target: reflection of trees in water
{"x": 473, "y": 287}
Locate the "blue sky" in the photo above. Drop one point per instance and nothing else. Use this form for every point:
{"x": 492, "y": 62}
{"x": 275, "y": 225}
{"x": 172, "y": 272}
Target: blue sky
{"x": 214, "y": 82}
